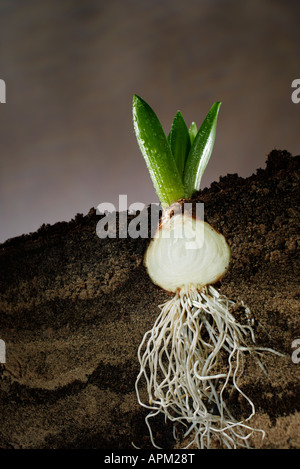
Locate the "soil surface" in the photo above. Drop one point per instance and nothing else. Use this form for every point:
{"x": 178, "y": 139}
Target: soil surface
{"x": 74, "y": 308}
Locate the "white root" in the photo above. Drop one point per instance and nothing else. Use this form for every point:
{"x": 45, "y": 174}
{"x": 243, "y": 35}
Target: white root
{"x": 191, "y": 361}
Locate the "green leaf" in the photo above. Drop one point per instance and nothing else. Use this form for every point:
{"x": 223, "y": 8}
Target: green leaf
{"x": 193, "y": 132}
{"x": 179, "y": 141}
{"x": 157, "y": 153}
{"x": 200, "y": 152}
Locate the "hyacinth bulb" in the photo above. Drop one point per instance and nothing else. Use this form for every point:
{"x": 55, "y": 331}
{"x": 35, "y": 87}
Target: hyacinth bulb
{"x": 186, "y": 252}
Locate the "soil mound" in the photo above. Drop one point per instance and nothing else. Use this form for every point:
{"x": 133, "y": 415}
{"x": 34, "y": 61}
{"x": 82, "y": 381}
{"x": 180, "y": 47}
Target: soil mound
{"x": 74, "y": 308}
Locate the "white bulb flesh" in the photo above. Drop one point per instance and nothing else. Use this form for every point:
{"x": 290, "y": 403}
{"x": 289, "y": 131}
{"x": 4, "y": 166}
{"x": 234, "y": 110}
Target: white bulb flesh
{"x": 186, "y": 252}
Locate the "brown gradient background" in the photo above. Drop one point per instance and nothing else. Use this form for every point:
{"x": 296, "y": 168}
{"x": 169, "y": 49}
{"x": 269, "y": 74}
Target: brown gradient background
{"x": 71, "y": 68}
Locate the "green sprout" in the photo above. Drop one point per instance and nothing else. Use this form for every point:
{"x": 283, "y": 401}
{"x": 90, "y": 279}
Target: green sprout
{"x": 192, "y": 358}
{"x": 176, "y": 163}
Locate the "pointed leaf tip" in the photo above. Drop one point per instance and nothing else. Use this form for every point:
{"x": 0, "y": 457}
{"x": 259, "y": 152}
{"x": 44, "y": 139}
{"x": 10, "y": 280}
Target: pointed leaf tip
{"x": 179, "y": 141}
{"x": 201, "y": 151}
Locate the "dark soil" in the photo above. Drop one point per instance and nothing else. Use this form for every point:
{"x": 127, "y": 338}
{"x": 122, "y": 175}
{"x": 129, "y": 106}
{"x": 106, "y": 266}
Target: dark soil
{"x": 74, "y": 309}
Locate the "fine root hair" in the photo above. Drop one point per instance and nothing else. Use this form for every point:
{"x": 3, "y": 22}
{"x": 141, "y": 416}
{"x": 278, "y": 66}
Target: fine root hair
{"x": 191, "y": 362}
